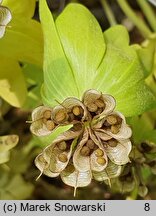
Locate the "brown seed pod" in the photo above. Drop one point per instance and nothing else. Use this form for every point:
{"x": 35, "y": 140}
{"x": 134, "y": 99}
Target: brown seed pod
{"x": 38, "y": 126}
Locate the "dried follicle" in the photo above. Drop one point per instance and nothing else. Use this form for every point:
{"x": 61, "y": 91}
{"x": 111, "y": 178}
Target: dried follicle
{"x": 98, "y": 103}
{"x": 112, "y": 171}
{"x": 43, "y": 166}
{"x": 76, "y": 109}
{"x": 120, "y": 153}
{"x": 117, "y": 131}
{"x": 42, "y": 123}
{"x": 76, "y": 179}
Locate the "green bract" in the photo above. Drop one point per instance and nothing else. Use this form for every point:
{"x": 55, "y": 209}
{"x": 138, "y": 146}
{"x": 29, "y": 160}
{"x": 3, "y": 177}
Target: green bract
{"x": 78, "y": 57}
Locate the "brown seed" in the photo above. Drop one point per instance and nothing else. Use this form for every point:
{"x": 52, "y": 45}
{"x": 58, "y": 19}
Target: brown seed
{"x": 70, "y": 117}
{"x": 115, "y": 129}
{"x": 62, "y": 157}
{"x": 90, "y": 144}
{"x": 92, "y": 107}
{"x": 60, "y": 116}
{"x": 112, "y": 142}
{"x": 77, "y": 110}
{"x": 62, "y": 145}
{"x": 100, "y": 103}
{"x": 70, "y": 168}
{"x": 99, "y": 152}
{"x": 119, "y": 119}
{"x": 85, "y": 151}
{"x": 47, "y": 114}
{"x": 112, "y": 119}
{"x": 101, "y": 160}
{"x": 44, "y": 120}
{"x": 105, "y": 144}
{"x": 99, "y": 111}
{"x": 50, "y": 125}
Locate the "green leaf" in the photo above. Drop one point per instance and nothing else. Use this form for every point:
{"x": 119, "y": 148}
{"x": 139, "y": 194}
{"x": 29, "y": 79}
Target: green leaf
{"x": 5, "y": 18}
{"x": 21, "y": 8}
{"x": 116, "y": 32}
{"x": 120, "y": 74}
{"x": 146, "y": 55}
{"x": 83, "y": 43}
{"x": 59, "y": 81}
{"x": 23, "y": 41}
{"x": 12, "y": 83}
{"x": 34, "y": 79}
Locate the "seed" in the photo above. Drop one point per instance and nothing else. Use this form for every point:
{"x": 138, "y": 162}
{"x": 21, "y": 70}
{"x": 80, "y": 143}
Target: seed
{"x": 77, "y": 110}
{"x": 62, "y": 157}
{"x": 115, "y": 129}
{"x": 101, "y": 160}
{"x": 106, "y": 123}
{"x": 70, "y": 168}
{"x": 99, "y": 111}
{"x": 119, "y": 120}
{"x": 70, "y": 117}
{"x": 60, "y": 116}
{"x": 44, "y": 120}
{"x": 92, "y": 107}
{"x": 112, "y": 142}
{"x": 90, "y": 144}
{"x": 62, "y": 145}
{"x": 100, "y": 103}
{"x": 50, "y": 125}
{"x": 47, "y": 114}
{"x": 112, "y": 119}
{"x": 105, "y": 144}
{"x": 85, "y": 151}
{"x": 99, "y": 152}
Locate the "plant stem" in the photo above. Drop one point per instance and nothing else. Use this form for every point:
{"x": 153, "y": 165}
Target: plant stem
{"x": 146, "y": 8}
{"x": 109, "y": 13}
{"x": 145, "y": 31}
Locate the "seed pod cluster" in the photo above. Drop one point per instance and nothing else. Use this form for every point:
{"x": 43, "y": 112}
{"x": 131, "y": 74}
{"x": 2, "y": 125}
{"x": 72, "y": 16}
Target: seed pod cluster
{"x": 95, "y": 147}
